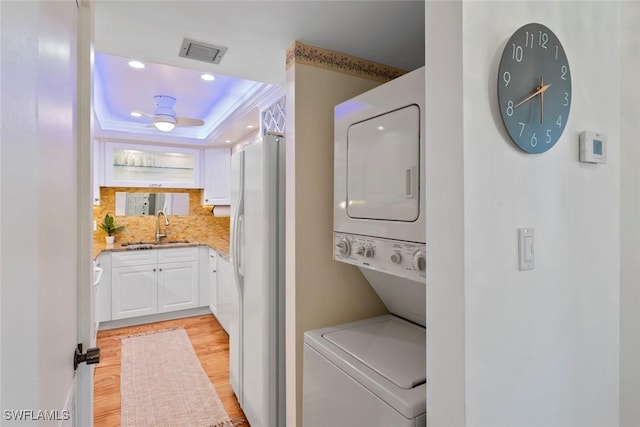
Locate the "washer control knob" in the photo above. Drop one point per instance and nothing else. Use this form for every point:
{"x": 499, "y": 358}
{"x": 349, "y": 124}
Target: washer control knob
{"x": 360, "y": 250}
{"x": 396, "y": 258}
{"x": 343, "y": 248}
{"x": 369, "y": 252}
{"x": 419, "y": 261}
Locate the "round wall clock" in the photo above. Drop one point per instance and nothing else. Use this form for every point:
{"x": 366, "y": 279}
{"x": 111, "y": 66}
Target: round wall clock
{"x": 534, "y": 88}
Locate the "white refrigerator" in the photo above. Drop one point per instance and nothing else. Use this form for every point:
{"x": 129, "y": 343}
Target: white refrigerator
{"x": 256, "y": 332}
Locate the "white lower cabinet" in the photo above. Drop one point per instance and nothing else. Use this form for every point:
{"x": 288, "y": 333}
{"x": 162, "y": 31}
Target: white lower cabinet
{"x": 102, "y": 289}
{"x": 226, "y": 292}
{"x": 177, "y": 286}
{"x": 134, "y": 291}
{"x": 212, "y": 280}
{"x": 153, "y": 281}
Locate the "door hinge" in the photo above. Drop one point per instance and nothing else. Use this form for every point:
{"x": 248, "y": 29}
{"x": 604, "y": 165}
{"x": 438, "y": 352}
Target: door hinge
{"x": 91, "y": 357}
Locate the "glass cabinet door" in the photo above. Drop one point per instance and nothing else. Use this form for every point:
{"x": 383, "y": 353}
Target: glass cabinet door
{"x": 129, "y": 165}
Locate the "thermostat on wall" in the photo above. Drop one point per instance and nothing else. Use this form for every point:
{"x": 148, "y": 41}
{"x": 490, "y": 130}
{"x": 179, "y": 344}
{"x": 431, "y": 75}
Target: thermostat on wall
{"x": 593, "y": 147}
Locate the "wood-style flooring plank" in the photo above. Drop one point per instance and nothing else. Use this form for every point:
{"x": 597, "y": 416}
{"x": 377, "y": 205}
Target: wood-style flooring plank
{"x": 209, "y": 341}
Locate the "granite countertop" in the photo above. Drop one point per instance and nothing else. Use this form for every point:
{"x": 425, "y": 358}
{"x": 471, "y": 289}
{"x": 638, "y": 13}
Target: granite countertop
{"x": 221, "y": 246}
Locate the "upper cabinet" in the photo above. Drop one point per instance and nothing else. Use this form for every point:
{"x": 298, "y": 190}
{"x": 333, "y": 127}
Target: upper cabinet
{"x": 132, "y": 165}
{"x": 216, "y": 177}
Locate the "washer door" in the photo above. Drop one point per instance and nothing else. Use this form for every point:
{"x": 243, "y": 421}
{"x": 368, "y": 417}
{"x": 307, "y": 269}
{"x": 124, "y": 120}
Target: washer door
{"x": 383, "y": 166}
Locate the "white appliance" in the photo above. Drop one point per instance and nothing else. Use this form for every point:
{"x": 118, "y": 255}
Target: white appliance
{"x": 373, "y": 372}
{"x": 256, "y": 333}
{"x": 379, "y": 165}
{"x": 96, "y": 295}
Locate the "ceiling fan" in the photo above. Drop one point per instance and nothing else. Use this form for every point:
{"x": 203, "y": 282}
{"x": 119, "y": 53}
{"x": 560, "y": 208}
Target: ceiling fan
{"x": 164, "y": 118}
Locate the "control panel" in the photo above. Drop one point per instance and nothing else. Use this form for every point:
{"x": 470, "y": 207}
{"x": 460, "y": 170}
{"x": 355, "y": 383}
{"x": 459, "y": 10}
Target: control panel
{"x": 404, "y": 259}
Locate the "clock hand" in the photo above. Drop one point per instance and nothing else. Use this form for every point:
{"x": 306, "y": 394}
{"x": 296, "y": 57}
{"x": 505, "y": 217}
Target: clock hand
{"x": 541, "y": 101}
{"x": 540, "y": 90}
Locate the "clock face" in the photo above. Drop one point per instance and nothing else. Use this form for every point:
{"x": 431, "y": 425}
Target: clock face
{"x": 534, "y": 88}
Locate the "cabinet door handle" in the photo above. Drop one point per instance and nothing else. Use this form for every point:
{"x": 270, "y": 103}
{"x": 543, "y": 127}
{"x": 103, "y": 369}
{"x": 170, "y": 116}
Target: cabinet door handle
{"x": 213, "y": 271}
{"x": 160, "y": 269}
{"x": 154, "y": 269}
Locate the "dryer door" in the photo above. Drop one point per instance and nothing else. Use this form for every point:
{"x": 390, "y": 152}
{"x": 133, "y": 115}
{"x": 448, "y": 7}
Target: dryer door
{"x": 383, "y": 166}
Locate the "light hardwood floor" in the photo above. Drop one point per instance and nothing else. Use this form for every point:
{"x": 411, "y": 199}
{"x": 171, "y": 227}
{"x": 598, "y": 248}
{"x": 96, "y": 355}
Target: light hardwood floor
{"x": 209, "y": 341}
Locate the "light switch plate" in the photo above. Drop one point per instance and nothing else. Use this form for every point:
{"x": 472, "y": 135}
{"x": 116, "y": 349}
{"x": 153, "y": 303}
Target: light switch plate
{"x": 526, "y": 253}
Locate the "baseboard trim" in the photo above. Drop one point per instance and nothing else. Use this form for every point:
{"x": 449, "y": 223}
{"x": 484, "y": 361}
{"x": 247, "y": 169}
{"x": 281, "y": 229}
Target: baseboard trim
{"x": 152, "y": 318}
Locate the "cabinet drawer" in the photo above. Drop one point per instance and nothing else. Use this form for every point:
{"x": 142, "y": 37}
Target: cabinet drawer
{"x": 177, "y": 254}
{"x": 140, "y": 257}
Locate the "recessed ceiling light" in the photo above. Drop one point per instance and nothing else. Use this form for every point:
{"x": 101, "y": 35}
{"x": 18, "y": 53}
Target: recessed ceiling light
{"x": 249, "y": 126}
{"x": 208, "y": 77}
{"x": 227, "y": 141}
{"x": 380, "y": 127}
{"x": 135, "y": 114}
{"x": 136, "y": 64}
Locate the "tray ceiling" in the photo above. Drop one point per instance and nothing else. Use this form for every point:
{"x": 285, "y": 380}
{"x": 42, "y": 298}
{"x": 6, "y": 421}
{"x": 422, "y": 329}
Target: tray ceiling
{"x": 256, "y": 33}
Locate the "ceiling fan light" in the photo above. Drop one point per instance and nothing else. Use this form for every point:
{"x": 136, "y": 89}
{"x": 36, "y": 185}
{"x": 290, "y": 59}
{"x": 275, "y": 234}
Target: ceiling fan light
{"x": 207, "y": 77}
{"x": 164, "y": 126}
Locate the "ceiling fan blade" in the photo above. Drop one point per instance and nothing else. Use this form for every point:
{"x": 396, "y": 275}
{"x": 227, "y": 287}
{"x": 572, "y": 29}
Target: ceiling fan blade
{"x": 186, "y": 121}
{"x": 142, "y": 113}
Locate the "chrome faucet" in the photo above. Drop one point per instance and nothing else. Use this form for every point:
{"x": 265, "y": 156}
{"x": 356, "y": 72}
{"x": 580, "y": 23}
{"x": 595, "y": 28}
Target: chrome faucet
{"x": 166, "y": 223}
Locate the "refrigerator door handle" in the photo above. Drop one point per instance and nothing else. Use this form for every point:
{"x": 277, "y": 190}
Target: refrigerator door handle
{"x": 235, "y": 242}
{"x": 240, "y": 245}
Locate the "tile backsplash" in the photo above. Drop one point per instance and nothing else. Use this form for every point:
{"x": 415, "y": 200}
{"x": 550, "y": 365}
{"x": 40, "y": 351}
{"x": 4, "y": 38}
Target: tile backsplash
{"x": 199, "y": 226}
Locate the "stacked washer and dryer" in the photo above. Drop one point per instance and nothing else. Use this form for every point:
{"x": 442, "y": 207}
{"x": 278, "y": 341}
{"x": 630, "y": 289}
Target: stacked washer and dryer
{"x": 373, "y": 372}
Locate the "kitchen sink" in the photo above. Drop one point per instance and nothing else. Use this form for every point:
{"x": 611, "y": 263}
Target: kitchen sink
{"x": 132, "y": 246}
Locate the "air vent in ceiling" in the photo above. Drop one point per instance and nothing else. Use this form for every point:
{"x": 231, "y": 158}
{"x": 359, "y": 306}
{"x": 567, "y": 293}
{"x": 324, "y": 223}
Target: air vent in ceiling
{"x": 202, "y": 51}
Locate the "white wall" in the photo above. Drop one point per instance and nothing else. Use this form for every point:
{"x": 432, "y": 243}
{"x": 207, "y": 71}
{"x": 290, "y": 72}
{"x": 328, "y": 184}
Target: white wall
{"x": 445, "y": 215}
{"x": 630, "y": 230}
{"x": 541, "y": 347}
{"x": 320, "y": 292}
{"x": 38, "y": 237}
